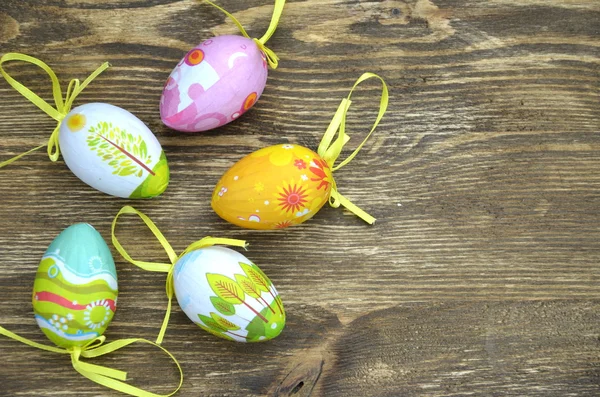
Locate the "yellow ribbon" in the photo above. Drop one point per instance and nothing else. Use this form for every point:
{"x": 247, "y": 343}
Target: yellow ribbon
{"x": 111, "y": 378}
{"x": 165, "y": 267}
{"x": 272, "y": 58}
{"x": 63, "y": 106}
{"x": 330, "y": 150}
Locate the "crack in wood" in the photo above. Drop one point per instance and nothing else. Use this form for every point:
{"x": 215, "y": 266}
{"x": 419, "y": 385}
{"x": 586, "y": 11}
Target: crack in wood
{"x": 301, "y": 380}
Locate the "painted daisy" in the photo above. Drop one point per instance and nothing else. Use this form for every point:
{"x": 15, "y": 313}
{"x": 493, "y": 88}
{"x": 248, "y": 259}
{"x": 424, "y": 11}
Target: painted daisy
{"x": 292, "y": 197}
{"x": 97, "y": 314}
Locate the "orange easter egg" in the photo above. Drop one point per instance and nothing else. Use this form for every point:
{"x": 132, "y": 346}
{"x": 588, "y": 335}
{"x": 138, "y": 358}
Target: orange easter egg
{"x": 273, "y": 188}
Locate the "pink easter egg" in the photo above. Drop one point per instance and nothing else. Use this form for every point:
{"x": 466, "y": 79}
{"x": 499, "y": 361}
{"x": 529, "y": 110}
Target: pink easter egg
{"x": 214, "y": 84}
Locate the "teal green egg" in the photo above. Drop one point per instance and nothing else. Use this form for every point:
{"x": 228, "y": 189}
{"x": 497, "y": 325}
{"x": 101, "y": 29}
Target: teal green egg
{"x": 75, "y": 288}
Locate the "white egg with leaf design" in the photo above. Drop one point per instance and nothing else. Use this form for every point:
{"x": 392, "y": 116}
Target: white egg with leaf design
{"x": 227, "y": 295}
{"x": 113, "y": 151}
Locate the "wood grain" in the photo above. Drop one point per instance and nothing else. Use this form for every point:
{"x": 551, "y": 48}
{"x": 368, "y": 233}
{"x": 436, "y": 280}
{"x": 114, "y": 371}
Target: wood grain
{"x": 481, "y": 274}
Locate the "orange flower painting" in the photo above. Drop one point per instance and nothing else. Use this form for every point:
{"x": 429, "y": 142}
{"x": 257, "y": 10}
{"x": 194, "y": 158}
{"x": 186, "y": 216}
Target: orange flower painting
{"x": 292, "y": 197}
{"x": 318, "y": 167}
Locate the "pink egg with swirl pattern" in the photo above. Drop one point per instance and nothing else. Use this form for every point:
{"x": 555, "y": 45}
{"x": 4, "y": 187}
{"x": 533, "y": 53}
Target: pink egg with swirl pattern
{"x": 214, "y": 84}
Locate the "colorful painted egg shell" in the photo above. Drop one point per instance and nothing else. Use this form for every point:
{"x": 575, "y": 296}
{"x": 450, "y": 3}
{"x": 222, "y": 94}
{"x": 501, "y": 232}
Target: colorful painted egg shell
{"x": 227, "y": 295}
{"x": 273, "y": 188}
{"x": 214, "y": 84}
{"x": 75, "y": 288}
{"x": 113, "y": 151}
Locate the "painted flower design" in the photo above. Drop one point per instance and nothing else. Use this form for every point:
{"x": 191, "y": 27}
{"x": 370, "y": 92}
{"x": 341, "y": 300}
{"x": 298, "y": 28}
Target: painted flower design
{"x": 259, "y": 187}
{"x": 250, "y": 101}
{"x": 300, "y": 164}
{"x": 95, "y": 263}
{"x": 292, "y": 197}
{"x": 60, "y": 323}
{"x": 76, "y": 122}
{"x": 317, "y": 167}
{"x": 97, "y": 314}
{"x": 194, "y": 57}
{"x": 222, "y": 191}
{"x": 283, "y": 224}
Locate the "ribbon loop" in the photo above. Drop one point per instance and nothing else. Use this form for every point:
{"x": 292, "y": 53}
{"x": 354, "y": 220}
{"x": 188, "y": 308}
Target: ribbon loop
{"x": 330, "y": 149}
{"x": 164, "y": 267}
{"x": 55, "y": 113}
{"x": 80, "y": 366}
{"x": 108, "y": 377}
{"x": 149, "y": 266}
{"x": 62, "y": 106}
{"x": 272, "y": 58}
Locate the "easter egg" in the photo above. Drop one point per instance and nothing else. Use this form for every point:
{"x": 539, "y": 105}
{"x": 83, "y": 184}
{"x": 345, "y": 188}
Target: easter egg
{"x": 113, "y": 151}
{"x": 273, "y": 188}
{"x": 214, "y": 84}
{"x": 227, "y": 295}
{"x": 75, "y": 288}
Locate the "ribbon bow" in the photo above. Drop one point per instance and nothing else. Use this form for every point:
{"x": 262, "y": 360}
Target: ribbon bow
{"x": 173, "y": 257}
{"x": 272, "y": 58}
{"x": 111, "y": 378}
{"x": 63, "y": 106}
{"x": 330, "y": 150}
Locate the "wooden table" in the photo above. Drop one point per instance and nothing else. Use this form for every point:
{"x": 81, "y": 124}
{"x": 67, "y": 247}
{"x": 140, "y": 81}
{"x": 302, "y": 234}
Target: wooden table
{"x": 480, "y": 276}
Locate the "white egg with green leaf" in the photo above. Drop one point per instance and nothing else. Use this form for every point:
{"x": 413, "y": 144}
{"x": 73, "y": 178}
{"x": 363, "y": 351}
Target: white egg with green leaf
{"x": 227, "y": 295}
{"x": 113, "y": 151}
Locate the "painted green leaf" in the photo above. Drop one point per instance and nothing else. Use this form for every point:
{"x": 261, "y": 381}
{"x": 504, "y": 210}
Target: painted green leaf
{"x": 257, "y": 277}
{"x": 226, "y": 288}
{"x": 127, "y": 171}
{"x": 212, "y": 324}
{"x": 222, "y": 306}
{"x": 213, "y": 327}
{"x": 248, "y": 286}
{"x": 259, "y": 330}
{"x": 115, "y": 144}
{"x": 256, "y": 268}
{"x": 215, "y": 333}
{"x": 224, "y": 322}
{"x": 143, "y": 150}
